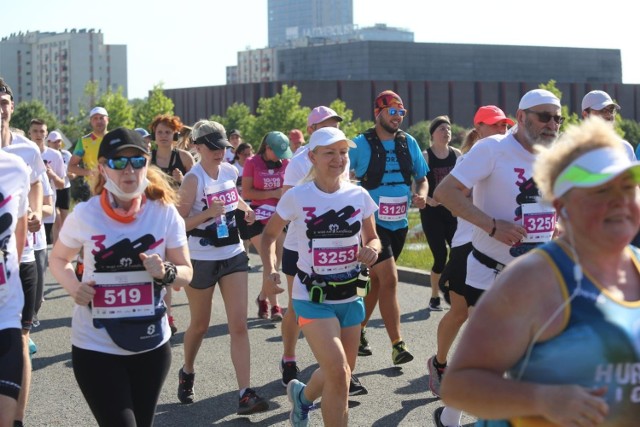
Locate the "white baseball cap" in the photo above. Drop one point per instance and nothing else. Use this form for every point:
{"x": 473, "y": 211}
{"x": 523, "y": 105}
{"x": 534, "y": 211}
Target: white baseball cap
{"x": 98, "y": 110}
{"x": 54, "y": 136}
{"x": 327, "y": 136}
{"x": 538, "y": 97}
{"x": 597, "y": 100}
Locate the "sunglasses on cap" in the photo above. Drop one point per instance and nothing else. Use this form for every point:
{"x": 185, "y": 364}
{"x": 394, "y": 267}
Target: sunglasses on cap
{"x": 119, "y": 163}
{"x": 394, "y": 111}
{"x": 545, "y": 116}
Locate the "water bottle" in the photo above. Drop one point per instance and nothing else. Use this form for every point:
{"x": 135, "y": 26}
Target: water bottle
{"x": 222, "y": 229}
{"x": 364, "y": 283}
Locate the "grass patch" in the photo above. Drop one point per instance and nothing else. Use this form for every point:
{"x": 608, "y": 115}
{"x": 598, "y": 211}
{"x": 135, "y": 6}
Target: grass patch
{"x": 411, "y": 256}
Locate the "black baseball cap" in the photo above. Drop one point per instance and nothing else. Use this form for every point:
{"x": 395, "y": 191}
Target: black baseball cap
{"x": 119, "y": 139}
{"x": 234, "y": 132}
{"x": 213, "y": 140}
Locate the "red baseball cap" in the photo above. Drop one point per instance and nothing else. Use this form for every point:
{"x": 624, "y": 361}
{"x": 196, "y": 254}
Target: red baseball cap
{"x": 490, "y": 115}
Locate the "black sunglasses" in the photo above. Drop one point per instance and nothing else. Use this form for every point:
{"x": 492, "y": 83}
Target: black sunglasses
{"x": 120, "y": 163}
{"x": 544, "y": 116}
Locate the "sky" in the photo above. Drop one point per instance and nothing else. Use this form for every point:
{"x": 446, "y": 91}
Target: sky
{"x": 190, "y": 43}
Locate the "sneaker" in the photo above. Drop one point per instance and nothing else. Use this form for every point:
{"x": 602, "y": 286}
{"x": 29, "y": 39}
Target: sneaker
{"x": 172, "y": 326}
{"x": 356, "y": 388}
{"x": 276, "y": 313}
{"x": 251, "y": 403}
{"x": 436, "y": 416}
{"x": 35, "y": 322}
{"x": 364, "y": 349}
{"x": 263, "y": 308}
{"x": 289, "y": 371}
{"x": 185, "y": 387}
{"x": 435, "y": 375}
{"x": 400, "y": 354}
{"x": 299, "y": 415}
{"x": 33, "y": 348}
{"x": 434, "y": 304}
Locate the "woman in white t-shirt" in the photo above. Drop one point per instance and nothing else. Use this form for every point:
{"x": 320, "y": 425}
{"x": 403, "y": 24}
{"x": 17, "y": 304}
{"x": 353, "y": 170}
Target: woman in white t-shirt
{"x": 335, "y": 232}
{"x": 14, "y": 204}
{"x": 134, "y": 244}
{"x": 208, "y": 203}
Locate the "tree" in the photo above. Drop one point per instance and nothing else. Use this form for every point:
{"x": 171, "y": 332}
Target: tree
{"x": 569, "y": 119}
{"x": 120, "y": 112}
{"x": 630, "y": 129}
{"x": 281, "y": 112}
{"x": 350, "y": 127}
{"x": 238, "y": 116}
{"x": 27, "y": 110}
{"x": 157, "y": 103}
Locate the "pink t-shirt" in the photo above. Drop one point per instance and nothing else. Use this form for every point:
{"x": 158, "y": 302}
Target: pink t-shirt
{"x": 264, "y": 179}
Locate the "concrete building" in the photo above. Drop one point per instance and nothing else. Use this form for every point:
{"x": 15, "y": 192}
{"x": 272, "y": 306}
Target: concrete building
{"x": 433, "y": 79}
{"x": 55, "y": 67}
{"x": 294, "y": 19}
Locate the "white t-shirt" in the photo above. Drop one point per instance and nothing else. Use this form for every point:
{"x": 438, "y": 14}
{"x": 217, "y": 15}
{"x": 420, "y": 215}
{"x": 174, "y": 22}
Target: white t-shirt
{"x": 55, "y": 160}
{"x": 229, "y": 154}
{"x": 464, "y": 230}
{"x": 39, "y": 238}
{"x": 199, "y": 248}
{"x": 106, "y": 242}
{"x": 14, "y": 201}
{"x": 628, "y": 148}
{"x": 298, "y": 168}
{"x": 334, "y": 222}
{"x": 30, "y": 153}
{"x": 66, "y": 156}
{"x": 500, "y": 172}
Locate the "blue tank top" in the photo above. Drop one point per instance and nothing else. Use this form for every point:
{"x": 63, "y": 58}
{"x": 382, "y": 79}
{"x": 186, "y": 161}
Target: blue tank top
{"x": 599, "y": 346}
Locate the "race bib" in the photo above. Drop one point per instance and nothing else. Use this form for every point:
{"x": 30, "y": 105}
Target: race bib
{"x": 392, "y": 208}
{"x": 540, "y": 222}
{"x": 226, "y": 192}
{"x": 264, "y": 212}
{"x": 332, "y": 256}
{"x": 126, "y": 294}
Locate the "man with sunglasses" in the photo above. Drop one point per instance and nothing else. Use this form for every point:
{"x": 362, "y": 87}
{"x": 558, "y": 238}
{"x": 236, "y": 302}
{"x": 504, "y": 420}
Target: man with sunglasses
{"x": 385, "y": 161}
{"x": 86, "y": 149}
{"x": 505, "y": 211}
{"x": 598, "y": 103}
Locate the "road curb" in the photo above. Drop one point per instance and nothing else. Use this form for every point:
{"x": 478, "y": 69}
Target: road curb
{"x": 413, "y": 276}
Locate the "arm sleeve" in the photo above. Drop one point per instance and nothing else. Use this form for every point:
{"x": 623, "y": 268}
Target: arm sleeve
{"x": 420, "y": 167}
{"x": 286, "y": 206}
{"x": 71, "y": 231}
{"x": 78, "y": 150}
{"x": 176, "y": 231}
{"x": 248, "y": 168}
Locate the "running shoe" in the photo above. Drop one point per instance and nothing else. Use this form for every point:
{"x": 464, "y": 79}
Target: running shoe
{"x": 289, "y": 371}
{"x": 35, "y": 322}
{"x": 435, "y": 375}
{"x": 400, "y": 354}
{"x": 172, "y": 326}
{"x": 33, "y": 348}
{"x": 436, "y": 416}
{"x": 434, "y": 304}
{"x": 251, "y": 403}
{"x": 276, "y": 313}
{"x": 364, "y": 349}
{"x": 263, "y": 308}
{"x": 185, "y": 387}
{"x": 356, "y": 388}
{"x": 299, "y": 415}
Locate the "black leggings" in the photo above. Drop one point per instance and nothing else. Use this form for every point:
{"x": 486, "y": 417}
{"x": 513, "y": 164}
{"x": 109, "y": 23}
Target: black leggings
{"x": 11, "y": 362}
{"x": 439, "y": 226}
{"x": 122, "y": 390}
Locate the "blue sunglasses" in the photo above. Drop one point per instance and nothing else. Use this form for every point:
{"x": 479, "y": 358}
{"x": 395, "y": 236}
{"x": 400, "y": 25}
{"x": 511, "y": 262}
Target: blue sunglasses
{"x": 119, "y": 163}
{"x": 394, "y": 111}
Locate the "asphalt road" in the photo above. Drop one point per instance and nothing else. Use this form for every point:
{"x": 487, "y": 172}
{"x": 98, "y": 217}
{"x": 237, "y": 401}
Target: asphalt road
{"x": 397, "y": 396}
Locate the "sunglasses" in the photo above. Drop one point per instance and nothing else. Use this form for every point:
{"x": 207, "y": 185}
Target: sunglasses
{"x": 394, "y": 111}
{"x": 119, "y": 163}
{"x": 545, "y": 117}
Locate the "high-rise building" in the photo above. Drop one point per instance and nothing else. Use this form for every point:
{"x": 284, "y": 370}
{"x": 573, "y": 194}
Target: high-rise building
{"x": 56, "y": 67}
{"x": 290, "y": 20}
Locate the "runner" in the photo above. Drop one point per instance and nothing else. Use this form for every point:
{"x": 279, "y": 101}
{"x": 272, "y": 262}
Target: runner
{"x": 262, "y": 180}
{"x": 335, "y": 229}
{"x": 134, "y": 244}
{"x": 14, "y": 205}
{"x": 208, "y": 202}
